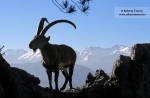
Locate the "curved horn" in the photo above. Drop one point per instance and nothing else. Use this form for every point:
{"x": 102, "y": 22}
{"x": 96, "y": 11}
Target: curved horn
{"x": 55, "y": 22}
{"x": 41, "y": 24}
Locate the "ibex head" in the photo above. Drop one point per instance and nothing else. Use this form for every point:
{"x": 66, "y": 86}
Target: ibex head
{"x": 39, "y": 39}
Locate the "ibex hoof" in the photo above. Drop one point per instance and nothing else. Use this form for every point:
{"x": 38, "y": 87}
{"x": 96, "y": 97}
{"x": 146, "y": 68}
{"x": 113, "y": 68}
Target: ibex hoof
{"x": 50, "y": 89}
{"x": 72, "y": 88}
{"x": 62, "y": 88}
{"x": 56, "y": 90}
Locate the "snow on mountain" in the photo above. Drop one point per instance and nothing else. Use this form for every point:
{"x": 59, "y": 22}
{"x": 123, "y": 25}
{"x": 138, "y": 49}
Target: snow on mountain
{"x": 30, "y": 57}
{"x": 90, "y": 52}
{"x": 12, "y": 55}
{"x": 121, "y": 50}
{"x": 102, "y": 58}
{"x": 91, "y": 57}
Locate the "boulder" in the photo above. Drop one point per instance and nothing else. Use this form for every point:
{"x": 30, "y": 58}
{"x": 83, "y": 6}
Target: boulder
{"x": 25, "y": 85}
{"x": 118, "y": 84}
{"x": 94, "y": 85}
{"x": 140, "y": 52}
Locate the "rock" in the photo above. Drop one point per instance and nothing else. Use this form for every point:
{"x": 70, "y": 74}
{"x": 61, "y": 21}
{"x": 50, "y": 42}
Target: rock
{"x": 4, "y": 68}
{"x": 111, "y": 87}
{"x": 25, "y": 85}
{"x": 4, "y": 76}
{"x": 1, "y": 90}
{"x": 94, "y": 85}
{"x": 140, "y": 52}
{"x": 16, "y": 82}
{"x": 130, "y": 75}
{"x": 119, "y": 78}
{"x": 121, "y": 68}
{"x": 139, "y": 72}
{"x": 89, "y": 80}
{"x": 101, "y": 78}
{"x": 71, "y": 91}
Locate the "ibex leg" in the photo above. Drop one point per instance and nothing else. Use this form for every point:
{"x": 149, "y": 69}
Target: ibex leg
{"x": 65, "y": 73}
{"x": 56, "y": 78}
{"x": 71, "y": 68}
{"x": 49, "y": 73}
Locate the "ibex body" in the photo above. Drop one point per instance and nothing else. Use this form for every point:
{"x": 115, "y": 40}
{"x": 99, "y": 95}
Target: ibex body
{"x": 54, "y": 57}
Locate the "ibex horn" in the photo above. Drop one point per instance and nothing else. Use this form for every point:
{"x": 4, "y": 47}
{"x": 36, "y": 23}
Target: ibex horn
{"x": 55, "y": 22}
{"x": 41, "y": 24}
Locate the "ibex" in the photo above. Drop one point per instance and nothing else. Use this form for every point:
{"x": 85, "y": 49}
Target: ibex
{"x": 54, "y": 57}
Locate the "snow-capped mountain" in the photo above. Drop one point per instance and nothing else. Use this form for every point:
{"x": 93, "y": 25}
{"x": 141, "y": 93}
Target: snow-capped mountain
{"x": 101, "y": 58}
{"x": 30, "y": 57}
{"x": 91, "y": 57}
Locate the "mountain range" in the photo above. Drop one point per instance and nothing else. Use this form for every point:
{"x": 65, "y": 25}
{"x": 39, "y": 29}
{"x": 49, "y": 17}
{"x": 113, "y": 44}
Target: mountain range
{"x": 91, "y": 57}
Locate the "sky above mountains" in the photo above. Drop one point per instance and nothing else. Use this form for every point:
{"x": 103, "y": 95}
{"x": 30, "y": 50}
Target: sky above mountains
{"x": 19, "y": 20}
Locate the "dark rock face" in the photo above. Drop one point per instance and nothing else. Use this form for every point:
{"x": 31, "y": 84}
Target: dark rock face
{"x": 25, "y": 85}
{"x": 132, "y": 73}
{"x": 118, "y": 84}
{"x": 1, "y": 90}
{"x": 140, "y": 52}
{"x": 89, "y": 80}
{"x": 130, "y": 78}
{"x": 140, "y": 70}
{"x": 4, "y": 76}
{"x": 15, "y": 82}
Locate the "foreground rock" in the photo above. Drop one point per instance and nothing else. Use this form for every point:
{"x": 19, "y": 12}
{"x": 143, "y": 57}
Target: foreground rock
{"x": 16, "y": 82}
{"x": 4, "y": 76}
{"x": 130, "y": 78}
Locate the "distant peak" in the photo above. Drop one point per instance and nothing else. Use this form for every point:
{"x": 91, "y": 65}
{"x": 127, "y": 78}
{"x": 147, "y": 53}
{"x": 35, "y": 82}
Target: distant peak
{"x": 90, "y": 46}
{"x": 117, "y": 46}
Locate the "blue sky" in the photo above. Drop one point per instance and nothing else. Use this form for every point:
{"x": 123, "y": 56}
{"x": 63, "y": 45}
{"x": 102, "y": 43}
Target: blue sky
{"x": 19, "y": 20}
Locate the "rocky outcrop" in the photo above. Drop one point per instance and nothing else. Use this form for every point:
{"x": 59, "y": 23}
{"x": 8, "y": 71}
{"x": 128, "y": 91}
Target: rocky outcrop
{"x": 130, "y": 78}
{"x": 94, "y": 84}
{"x": 25, "y": 85}
{"x": 4, "y": 76}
